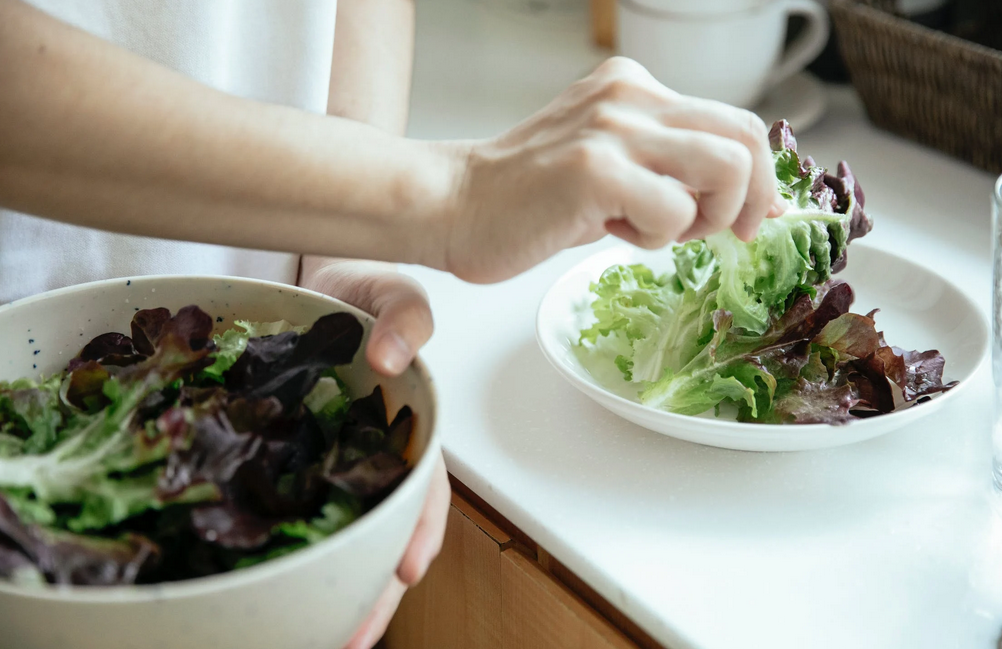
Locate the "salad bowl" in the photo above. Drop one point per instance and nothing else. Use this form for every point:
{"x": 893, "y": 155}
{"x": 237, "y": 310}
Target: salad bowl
{"x": 313, "y": 597}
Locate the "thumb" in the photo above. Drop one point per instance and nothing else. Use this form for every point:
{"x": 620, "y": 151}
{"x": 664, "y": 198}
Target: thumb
{"x": 403, "y": 323}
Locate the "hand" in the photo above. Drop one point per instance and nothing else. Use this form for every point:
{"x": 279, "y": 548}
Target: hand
{"x": 403, "y": 326}
{"x": 616, "y": 153}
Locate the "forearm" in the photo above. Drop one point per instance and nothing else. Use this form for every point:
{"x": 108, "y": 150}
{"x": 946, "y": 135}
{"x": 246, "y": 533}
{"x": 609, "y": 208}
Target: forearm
{"x": 372, "y": 63}
{"x": 370, "y": 75}
{"x": 93, "y": 135}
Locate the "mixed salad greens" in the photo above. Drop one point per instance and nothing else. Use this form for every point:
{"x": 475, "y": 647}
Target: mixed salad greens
{"x": 762, "y": 325}
{"x": 172, "y": 453}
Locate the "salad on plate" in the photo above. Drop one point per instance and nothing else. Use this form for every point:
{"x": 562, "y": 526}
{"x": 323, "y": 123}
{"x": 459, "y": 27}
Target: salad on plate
{"x": 762, "y": 330}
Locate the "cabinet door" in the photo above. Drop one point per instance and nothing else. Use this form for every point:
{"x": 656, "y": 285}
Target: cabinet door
{"x": 457, "y": 605}
{"x": 538, "y": 612}
{"x": 483, "y": 593}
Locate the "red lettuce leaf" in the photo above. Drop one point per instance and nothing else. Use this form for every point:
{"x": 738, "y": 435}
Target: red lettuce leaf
{"x": 216, "y": 453}
{"x": 147, "y": 327}
{"x": 850, "y": 334}
{"x": 869, "y": 378}
{"x": 367, "y": 461}
{"x": 807, "y": 317}
{"x": 809, "y": 402}
{"x": 66, "y": 558}
{"x": 86, "y": 385}
{"x": 371, "y": 476}
{"x": 12, "y": 560}
{"x": 232, "y": 527}
{"x": 108, "y": 349}
{"x": 921, "y": 373}
{"x": 287, "y": 366}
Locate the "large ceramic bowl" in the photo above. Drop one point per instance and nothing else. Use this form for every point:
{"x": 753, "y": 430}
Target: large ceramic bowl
{"x": 313, "y": 598}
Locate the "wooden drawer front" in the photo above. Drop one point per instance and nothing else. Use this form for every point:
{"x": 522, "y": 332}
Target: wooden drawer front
{"x": 537, "y": 612}
{"x": 484, "y": 593}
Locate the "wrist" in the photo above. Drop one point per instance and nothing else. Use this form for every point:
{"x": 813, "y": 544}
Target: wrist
{"x": 432, "y": 189}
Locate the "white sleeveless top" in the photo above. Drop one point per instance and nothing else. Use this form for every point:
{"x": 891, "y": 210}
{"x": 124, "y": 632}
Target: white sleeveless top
{"x": 277, "y": 51}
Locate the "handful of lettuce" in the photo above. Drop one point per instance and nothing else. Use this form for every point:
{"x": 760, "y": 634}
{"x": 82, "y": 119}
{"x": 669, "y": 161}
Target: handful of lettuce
{"x": 762, "y": 325}
{"x": 171, "y": 454}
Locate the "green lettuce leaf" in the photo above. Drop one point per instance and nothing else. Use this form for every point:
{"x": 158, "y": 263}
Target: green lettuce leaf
{"x": 329, "y": 402}
{"x": 335, "y": 515}
{"x": 664, "y": 320}
{"x": 31, "y": 412}
{"x": 792, "y": 254}
{"x": 111, "y": 500}
{"x": 231, "y": 343}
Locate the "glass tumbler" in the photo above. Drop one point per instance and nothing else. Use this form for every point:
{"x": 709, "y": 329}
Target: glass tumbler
{"x": 997, "y": 335}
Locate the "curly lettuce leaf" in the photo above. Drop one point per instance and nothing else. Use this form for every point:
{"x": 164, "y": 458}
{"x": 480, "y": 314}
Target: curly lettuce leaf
{"x": 92, "y": 445}
{"x": 67, "y": 558}
{"x": 150, "y": 469}
{"x": 664, "y": 320}
{"x": 30, "y": 412}
{"x": 746, "y": 369}
{"x": 796, "y": 252}
{"x": 734, "y": 322}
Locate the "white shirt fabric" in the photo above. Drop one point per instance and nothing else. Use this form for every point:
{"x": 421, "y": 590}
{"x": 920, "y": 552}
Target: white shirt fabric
{"x": 277, "y": 51}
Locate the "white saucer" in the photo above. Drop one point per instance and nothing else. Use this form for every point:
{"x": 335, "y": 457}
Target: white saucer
{"x": 799, "y": 100}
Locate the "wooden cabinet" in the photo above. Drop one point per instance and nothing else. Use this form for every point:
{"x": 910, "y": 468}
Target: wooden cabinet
{"x": 493, "y": 588}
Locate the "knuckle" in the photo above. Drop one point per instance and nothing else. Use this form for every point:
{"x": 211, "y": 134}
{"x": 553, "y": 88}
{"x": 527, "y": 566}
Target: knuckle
{"x": 735, "y": 159}
{"x": 617, "y": 89}
{"x": 593, "y": 157}
{"x": 617, "y": 65}
{"x": 753, "y": 130}
{"x": 605, "y": 117}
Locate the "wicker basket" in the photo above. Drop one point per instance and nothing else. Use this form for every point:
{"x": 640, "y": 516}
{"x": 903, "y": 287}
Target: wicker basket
{"x": 929, "y": 86}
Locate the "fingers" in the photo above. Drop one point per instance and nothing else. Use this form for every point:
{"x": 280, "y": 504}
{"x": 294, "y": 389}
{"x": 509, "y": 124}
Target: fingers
{"x": 719, "y": 151}
{"x": 426, "y": 542}
{"x": 655, "y": 209}
{"x": 718, "y": 168}
{"x": 747, "y": 129}
{"x": 375, "y": 625}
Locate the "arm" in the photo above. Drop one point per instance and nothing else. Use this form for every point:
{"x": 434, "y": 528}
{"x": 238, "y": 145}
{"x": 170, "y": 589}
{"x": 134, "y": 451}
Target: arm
{"x": 92, "y": 135}
{"x": 96, "y": 136}
{"x": 370, "y": 80}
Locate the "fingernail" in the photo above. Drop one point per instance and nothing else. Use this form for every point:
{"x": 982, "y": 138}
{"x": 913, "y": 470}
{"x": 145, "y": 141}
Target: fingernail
{"x": 396, "y": 355}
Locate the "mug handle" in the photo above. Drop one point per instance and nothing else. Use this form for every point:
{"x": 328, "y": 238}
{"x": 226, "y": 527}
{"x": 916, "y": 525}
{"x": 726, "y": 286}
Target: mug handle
{"x": 807, "y": 45}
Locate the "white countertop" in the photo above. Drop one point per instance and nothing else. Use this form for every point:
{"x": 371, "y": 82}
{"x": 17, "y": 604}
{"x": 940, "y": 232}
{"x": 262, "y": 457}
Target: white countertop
{"x": 885, "y": 544}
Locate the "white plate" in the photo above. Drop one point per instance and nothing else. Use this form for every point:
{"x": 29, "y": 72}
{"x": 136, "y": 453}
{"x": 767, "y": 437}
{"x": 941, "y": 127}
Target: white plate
{"x": 918, "y": 310}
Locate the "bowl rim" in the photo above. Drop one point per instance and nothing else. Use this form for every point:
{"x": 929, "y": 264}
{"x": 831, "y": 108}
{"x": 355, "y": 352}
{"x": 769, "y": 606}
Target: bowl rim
{"x": 735, "y": 429}
{"x": 267, "y": 569}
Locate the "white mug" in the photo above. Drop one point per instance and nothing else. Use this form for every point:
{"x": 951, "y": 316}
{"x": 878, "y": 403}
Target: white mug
{"x": 734, "y": 56}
